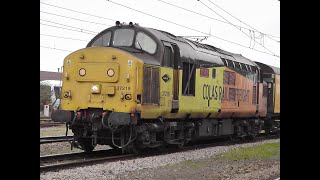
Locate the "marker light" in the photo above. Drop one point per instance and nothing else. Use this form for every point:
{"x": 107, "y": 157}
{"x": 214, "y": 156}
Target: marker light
{"x": 110, "y": 72}
{"x": 82, "y": 72}
{"x": 128, "y": 97}
{"x": 67, "y": 94}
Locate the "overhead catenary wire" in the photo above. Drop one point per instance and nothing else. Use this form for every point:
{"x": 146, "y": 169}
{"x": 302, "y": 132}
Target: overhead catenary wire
{"x": 211, "y": 17}
{"x": 55, "y": 48}
{"x": 244, "y": 22}
{"x": 190, "y": 28}
{"x": 66, "y": 29}
{"x": 68, "y": 26}
{"x": 74, "y": 18}
{"x": 64, "y": 37}
{"x": 216, "y": 45}
{"x": 253, "y": 38}
{"x": 78, "y": 12}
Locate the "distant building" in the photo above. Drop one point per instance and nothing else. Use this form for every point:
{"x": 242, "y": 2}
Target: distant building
{"x": 54, "y": 80}
{"x": 47, "y": 75}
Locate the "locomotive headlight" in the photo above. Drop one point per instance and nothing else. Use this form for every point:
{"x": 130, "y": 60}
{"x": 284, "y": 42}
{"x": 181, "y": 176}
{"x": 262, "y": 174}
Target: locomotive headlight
{"x": 110, "y": 72}
{"x": 82, "y": 72}
{"x": 95, "y": 89}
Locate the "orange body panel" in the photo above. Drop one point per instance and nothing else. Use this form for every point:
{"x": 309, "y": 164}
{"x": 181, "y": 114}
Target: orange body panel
{"x": 239, "y": 102}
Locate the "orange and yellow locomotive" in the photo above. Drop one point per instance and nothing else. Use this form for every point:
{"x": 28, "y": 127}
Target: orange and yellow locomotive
{"x": 134, "y": 88}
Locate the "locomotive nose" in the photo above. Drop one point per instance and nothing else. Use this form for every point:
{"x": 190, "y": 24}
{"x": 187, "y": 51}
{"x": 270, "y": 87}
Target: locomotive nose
{"x": 99, "y": 77}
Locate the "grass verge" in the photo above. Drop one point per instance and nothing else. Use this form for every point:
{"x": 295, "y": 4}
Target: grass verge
{"x": 264, "y": 151}
{"x": 62, "y": 151}
{"x": 54, "y": 131}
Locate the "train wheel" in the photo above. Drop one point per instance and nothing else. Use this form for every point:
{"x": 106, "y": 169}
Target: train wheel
{"x": 161, "y": 148}
{"x": 180, "y": 145}
{"x": 136, "y": 148}
{"x": 252, "y": 137}
{"x": 86, "y": 145}
{"x": 232, "y": 138}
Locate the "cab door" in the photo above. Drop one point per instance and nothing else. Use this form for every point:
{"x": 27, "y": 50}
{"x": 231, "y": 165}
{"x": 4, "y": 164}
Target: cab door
{"x": 171, "y": 59}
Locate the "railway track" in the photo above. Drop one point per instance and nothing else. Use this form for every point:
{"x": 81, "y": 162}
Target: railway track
{"x": 50, "y": 124}
{"x": 45, "y": 119}
{"x": 53, "y": 139}
{"x": 54, "y": 162}
{"x": 62, "y": 161}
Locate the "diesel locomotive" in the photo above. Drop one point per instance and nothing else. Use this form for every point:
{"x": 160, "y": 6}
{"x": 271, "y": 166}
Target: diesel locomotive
{"x": 134, "y": 87}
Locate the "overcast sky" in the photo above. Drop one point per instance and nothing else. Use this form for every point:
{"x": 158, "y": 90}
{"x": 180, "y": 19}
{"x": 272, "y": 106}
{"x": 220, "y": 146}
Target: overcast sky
{"x": 56, "y": 21}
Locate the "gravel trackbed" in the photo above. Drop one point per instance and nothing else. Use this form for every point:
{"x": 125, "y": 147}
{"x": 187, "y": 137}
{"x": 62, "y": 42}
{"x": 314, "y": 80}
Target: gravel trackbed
{"x": 173, "y": 166}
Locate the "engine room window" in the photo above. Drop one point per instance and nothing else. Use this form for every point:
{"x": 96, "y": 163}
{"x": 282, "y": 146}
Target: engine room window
{"x": 226, "y": 77}
{"x": 232, "y": 78}
{"x": 145, "y": 43}
{"x": 229, "y": 78}
{"x": 151, "y": 86}
{"x": 232, "y": 94}
{"x": 102, "y": 40}
{"x": 123, "y": 37}
{"x": 213, "y": 73}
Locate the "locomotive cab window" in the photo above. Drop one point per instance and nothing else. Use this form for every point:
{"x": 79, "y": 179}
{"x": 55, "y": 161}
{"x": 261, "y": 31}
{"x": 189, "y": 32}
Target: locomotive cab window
{"x": 188, "y": 79}
{"x": 102, "y": 40}
{"x": 145, "y": 43}
{"x": 167, "y": 57}
{"x": 123, "y": 37}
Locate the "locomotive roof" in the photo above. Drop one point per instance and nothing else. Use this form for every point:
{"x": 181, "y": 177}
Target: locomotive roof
{"x": 200, "y": 47}
{"x": 187, "y": 50}
{"x": 268, "y": 69}
{"x": 205, "y": 52}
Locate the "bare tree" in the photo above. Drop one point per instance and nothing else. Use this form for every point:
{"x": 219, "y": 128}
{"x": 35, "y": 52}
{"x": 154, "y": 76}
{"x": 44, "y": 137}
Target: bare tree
{"x": 45, "y": 94}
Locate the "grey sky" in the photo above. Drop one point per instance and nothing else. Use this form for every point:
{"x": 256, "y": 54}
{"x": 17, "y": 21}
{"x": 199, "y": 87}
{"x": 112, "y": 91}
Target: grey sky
{"x": 261, "y": 15}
